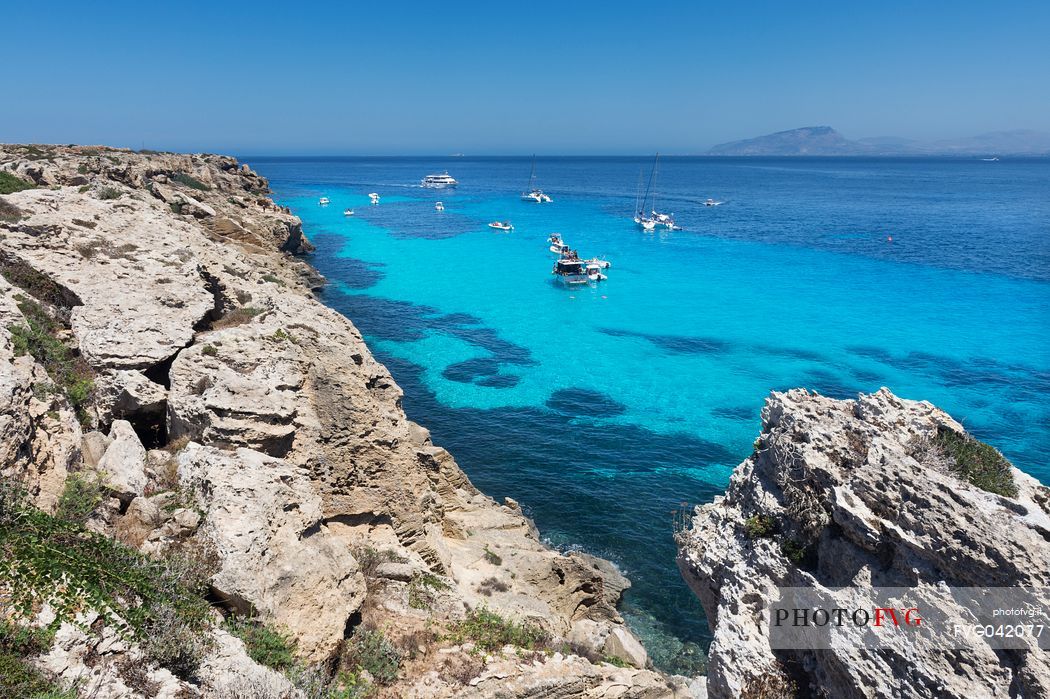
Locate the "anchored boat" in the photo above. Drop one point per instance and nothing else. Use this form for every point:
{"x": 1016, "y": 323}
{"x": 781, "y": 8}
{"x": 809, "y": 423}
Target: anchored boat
{"x": 534, "y": 194}
{"x": 323, "y": 201}
{"x": 501, "y": 225}
{"x": 440, "y": 181}
{"x": 348, "y": 212}
{"x": 374, "y": 198}
{"x": 439, "y": 206}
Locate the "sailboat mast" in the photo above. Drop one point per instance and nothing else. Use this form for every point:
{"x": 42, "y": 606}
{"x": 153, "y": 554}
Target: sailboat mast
{"x": 532, "y": 173}
{"x": 650, "y": 183}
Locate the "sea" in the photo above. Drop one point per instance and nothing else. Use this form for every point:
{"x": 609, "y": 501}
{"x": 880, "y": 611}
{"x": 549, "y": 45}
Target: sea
{"x": 607, "y": 410}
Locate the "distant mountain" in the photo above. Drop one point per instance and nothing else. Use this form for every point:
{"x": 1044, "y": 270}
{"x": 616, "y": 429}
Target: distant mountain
{"x": 810, "y": 140}
{"x": 824, "y": 140}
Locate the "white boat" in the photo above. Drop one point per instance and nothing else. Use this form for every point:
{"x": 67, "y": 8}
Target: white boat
{"x": 569, "y": 271}
{"x": 438, "y": 206}
{"x": 664, "y": 220}
{"x": 646, "y": 221}
{"x": 602, "y": 264}
{"x": 594, "y": 272}
{"x": 712, "y": 202}
{"x": 323, "y": 201}
{"x": 348, "y": 212}
{"x": 990, "y": 160}
{"x": 534, "y": 193}
{"x": 440, "y": 181}
{"x": 501, "y": 225}
{"x": 559, "y": 249}
{"x": 373, "y": 197}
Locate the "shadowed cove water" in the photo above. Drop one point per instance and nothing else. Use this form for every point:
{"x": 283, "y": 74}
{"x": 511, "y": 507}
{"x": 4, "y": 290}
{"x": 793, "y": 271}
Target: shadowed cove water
{"x": 604, "y": 409}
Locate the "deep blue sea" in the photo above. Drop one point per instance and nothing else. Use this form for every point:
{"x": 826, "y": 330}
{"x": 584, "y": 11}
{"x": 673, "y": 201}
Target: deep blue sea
{"x": 604, "y": 409}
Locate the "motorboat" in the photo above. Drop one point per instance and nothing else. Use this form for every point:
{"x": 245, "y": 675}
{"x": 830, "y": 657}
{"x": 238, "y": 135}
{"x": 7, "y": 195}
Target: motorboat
{"x": 348, "y": 212}
{"x": 555, "y": 239}
{"x": 594, "y": 272}
{"x": 569, "y": 271}
{"x": 438, "y": 206}
{"x": 440, "y": 181}
{"x": 501, "y": 225}
{"x": 373, "y": 198}
{"x": 324, "y": 201}
{"x": 602, "y": 264}
{"x": 712, "y": 202}
{"x": 534, "y": 194}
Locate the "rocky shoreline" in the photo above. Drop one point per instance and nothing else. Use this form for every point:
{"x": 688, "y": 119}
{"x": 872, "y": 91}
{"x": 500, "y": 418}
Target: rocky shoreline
{"x": 223, "y": 409}
{"x": 169, "y": 382}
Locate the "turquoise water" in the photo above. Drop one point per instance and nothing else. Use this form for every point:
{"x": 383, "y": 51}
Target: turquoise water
{"x": 605, "y": 408}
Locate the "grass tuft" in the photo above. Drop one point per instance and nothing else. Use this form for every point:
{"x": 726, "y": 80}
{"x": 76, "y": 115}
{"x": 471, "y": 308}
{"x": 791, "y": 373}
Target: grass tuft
{"x": 9, "y": 184}
{"x": 976, "y": 462}
{"x": 489, "y": 632}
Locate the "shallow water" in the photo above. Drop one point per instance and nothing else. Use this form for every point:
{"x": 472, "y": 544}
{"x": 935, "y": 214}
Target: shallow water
{"x": 604, "y": 409}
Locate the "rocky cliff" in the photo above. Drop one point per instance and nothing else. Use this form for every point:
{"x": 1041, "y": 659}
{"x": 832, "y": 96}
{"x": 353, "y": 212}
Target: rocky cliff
{"x": 844, "y": 496}
{"x": 159, "y": 339}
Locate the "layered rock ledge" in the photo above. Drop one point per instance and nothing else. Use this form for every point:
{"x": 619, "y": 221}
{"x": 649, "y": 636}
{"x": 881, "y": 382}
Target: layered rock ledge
{"x": 233, "y": 413}
{"x": 844, "y": 496}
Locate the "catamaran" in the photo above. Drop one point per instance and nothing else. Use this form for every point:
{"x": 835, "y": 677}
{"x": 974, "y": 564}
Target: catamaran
{"x": 535, "y": 194}
{"x": 440, "y": 181}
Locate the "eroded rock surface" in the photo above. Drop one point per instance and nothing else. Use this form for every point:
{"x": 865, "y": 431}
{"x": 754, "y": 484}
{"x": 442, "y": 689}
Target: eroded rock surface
{"x": 841, "y": 495}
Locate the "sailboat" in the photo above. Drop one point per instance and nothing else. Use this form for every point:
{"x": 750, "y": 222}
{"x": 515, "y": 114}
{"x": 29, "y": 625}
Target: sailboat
{"x": 644, "y": 220}
{"x": 534, "y": 194}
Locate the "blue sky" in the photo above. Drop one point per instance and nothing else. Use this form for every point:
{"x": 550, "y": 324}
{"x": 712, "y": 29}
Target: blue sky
{"x": 486, "y": 77}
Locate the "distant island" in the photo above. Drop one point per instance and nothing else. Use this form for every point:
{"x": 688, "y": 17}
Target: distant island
{"x": 824, "y": 140}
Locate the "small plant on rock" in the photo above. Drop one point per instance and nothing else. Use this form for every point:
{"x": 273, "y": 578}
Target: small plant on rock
{"x": 492, "y": 557}
{"x": 760, "y": 526}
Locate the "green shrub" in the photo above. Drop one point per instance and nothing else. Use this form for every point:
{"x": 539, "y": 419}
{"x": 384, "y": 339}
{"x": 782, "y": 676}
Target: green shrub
{"x": 492, "y": 557}
{"x": 81, "y": 494}
{"x": 265, "y": 645}
{"x": 209, "y": 351}
{"x": 108, "y": 193}
{"x": 422, "y": 588}
{"x": 38, "y": 285}
{"x": 45, "y": 559}
{"x": 369, "y": 649}
{"x": 19, "y": 678}
{"x": 759, "y": 526}
{"x": 9, "y": 184}
{"x": 979, "y": 463}
{"x": 273, "y": 279}
{"x": 67, "y": 369}
{"x": 489, "y": 632}
{"x": 368, "y": 559}
{"x": 191, "y": 182}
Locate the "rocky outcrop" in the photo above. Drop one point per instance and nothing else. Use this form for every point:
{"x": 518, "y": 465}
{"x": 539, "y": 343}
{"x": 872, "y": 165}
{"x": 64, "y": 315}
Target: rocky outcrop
{"x": 287, "y": 455}
{"x": 844, "y": 496}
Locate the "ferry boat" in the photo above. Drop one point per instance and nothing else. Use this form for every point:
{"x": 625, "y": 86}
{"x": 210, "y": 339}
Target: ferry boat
{"x": 438, "y": 206}
{"x": 348, "y": 212}
{"x": 570, "y": 271}
{"x": 373, "y": 197}
{"x": 438, "y": 181}
{"x": 501, "y": 225}
{"x": 323, "y": 201}
{"x": 533, "y": 193}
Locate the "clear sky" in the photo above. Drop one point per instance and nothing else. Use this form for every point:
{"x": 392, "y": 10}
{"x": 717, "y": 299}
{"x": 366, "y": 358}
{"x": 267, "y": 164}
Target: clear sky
{"x": 443, "y": 76}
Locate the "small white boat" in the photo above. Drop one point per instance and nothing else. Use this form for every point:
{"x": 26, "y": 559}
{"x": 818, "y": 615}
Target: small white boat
{"x": 594, "y": 272}
{"x": 374, "y": 198}
{"x": 990, "y": 160}
{"x": 438, "y": 206}
{"x": 559, "y": 249}
{"x": 537, "y": 196}
{"x": 665, "y": 220}
{"x": 440, "y": 181}
{"x": 645, "y": 222}
{"x": 323, "y": 201}
{"x": 602, "y": 264}
{"x": 501, "y": 225}
{"x": 713, "y": 202}
{"x": 348, "y": 212}
{"x": 534, "y": 194}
